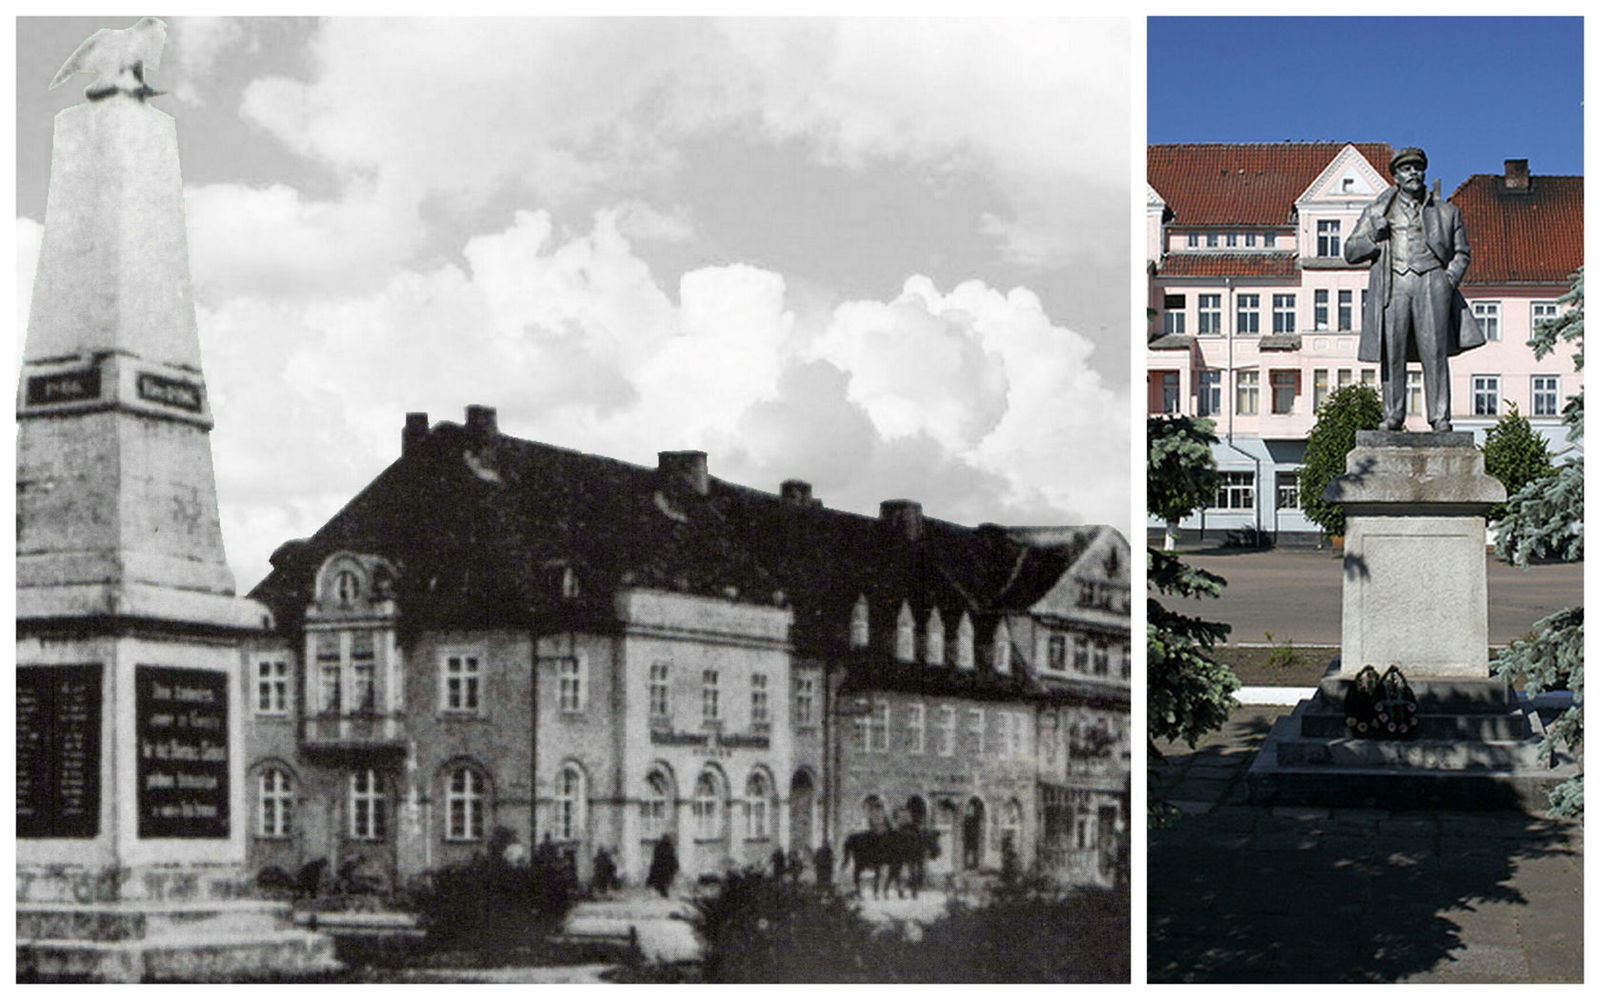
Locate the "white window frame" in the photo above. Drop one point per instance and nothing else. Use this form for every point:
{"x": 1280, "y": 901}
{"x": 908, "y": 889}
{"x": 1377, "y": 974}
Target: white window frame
{"x": 947, "y": 731}
{"x": 1247, "y": 392}
{"x": 329, "y": 671}
{"x": 366, "y": 801}
{"x": 878, "y": 726}
{"x": 1285, "y": 315}
{"x": 965, "y": 655}
{"x": 275, "y": 809}
{"x": 1545, "y": 393}
{"x": 710, "y": 696}
{"x": 1209, "y": 392}
{"x": 758, "y": 798}
{"x": 1319, "y": 308}
{"x": 1235, "y": 491}
{"x": 905, "y": 635}
{"x": 1247, "y": 313}
{"x": 572, "y": 684}
{"x": 805, "y": 699}
{"x": 760, "y": 704}
{"x": 363, "y": 672}
{"x": 1328, "y": 237}
{"x": 461, "y": 681}
{"x": 933, "y": 641}
{"x": 572, "y": 800}
{"x": 976, "y": 725}
{"x": 1414, "y": 396}
{"x": 660, "y": 690}
{"x": 1171, "y": 394}
{"x": 272, "y": 687}
{"x": 1208, "y": 313}
{"x": 655, "y": 807}
{"x": 464, "y": 800}
{"x": 1347, "y": 309}
{"x": 708, "y": 806}
{"x": 1539, "y": 312}
{"x": 1285, "y": 385}
{"x": 1486, "y": 395}
{"x": 916, "y": 727}
{"x": 1487, "y": 313}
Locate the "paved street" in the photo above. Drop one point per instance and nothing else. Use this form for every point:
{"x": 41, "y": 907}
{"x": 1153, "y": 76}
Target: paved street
{"x": 1252, "y": 894}
{"x": 1294, "y": 594}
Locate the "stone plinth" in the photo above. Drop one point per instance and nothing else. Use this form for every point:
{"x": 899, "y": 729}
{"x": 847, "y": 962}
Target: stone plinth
{"x": 1415, "y": 577}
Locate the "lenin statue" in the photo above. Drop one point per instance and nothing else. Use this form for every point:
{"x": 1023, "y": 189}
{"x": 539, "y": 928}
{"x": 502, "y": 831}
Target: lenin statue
{"x": 1413, "y": 312}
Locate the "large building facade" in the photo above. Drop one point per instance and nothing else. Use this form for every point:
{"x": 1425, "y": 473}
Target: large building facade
{"x": 497, "y": 633}
{"x": 1256, "y": 316}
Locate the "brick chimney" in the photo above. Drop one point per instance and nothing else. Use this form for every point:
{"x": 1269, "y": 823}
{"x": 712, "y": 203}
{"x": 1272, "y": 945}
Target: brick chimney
{"x": 482, "y": 422}
{"x": 416, "y": 432}
{"x": 1517, "y": 176}
{"x": 905, "y": 516}
{"x": 688, "y": 467}
{"x": 796, "y": 492}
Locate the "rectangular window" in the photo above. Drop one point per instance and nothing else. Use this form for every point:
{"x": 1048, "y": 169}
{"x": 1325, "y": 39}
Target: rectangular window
{"x": 805, "y": 701}
{"x": 363, "y": 672}
{"x": 330, "y": 673}
{"x": 1236, "y": 491}
{"x": 1247, "y": 314}
{"x": 660, "y": 690}
{"x": 1546, "y": 395}
{"x": 1058, "y": 653}
{"x": 1247, "y": 394}
{"x": 947, "y": 731}
{"x": 1285, "y": 387}
{"x": 462, "y": 677}
{"x": 1345, "y": 377}
{"x": 1231, "y": 239}
{"x": 1210, "y": 313}
{"x": 1193, "y": 240}
{"x": 1172, "y": 311}
{"x": 1488, "y": 316}
{"x": 1369, "y": 376}
{"x": 366, "y": 806}
{"x": 760, "y": 710}
{"x": 710, "y": 696}
{"x": 1413, "y": 392}
{"x": 1211, "y": 239}
{"x": 1543, "y": 312}
{"x": 1102, "y": 658}
{"x": 915, "y": 731}
{"x": 1080, "y": 654}
{"x": 1319, "y": 387}
{"x": 1003, "y": 723}
{"x": 1210, "y": 392}
{"x": 1288, "y": 491}
{"x": 571, "y": 685}
{"x": 975, "y": 726}
{"x": 1269, "y": 240}
{"x": 1319, "y": 309}
{"x": 1170, "y": 401}
{"x": 1249, "y": 239}
{"x": 1283, "y": 317}
{"x": 1485, "y": 395}
{"x": 272, "y": 687}
{"x": 880, "y": 726}
{"x": 1346, "y": 309}
{"x": 1327, "y": 237}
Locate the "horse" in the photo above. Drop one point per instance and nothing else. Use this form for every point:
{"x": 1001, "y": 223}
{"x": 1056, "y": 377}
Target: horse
{"x": 897, "y": 849}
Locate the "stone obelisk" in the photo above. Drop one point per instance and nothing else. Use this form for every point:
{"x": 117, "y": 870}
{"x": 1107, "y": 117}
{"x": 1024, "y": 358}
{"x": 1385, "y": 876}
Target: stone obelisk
{"x": 131, "y": 815}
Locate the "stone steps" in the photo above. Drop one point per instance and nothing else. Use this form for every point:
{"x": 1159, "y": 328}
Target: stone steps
{"x": 1466, "y": 726}
{"x": 149, "y": 921}
{"x": 212, "y": 958}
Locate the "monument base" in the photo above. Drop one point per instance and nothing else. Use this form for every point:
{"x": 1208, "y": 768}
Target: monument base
{"x": 1477, "y": 748}
{"x": 125, "y": 942}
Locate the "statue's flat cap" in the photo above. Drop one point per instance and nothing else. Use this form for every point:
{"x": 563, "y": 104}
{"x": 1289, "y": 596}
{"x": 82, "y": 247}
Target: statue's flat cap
{"x": 1410, "y": 154}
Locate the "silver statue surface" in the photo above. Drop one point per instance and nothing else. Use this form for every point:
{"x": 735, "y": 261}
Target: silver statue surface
{"x": 118, "y": 57}
{"x": 1413, "y": 311}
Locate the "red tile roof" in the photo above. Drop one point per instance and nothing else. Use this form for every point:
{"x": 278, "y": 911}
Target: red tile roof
{"x": 1217, "y": 265}
{"x": 1532, "y": 235}
{"x": 1243, "y": 183}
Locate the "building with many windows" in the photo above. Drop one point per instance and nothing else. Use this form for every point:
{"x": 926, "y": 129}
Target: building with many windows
{"x": 497, "y": 633}
{"x": 1256, "y": 316}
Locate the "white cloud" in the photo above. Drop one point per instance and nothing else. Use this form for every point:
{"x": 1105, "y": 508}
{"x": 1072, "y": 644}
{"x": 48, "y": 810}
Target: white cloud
{"x": 196, "y": 46}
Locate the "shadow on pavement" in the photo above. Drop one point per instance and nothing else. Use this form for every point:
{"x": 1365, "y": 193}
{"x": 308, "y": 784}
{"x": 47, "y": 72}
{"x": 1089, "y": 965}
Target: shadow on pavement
{"x": 1245, "y": 894}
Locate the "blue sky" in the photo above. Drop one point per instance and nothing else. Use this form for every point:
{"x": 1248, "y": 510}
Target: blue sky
{"x": 1474, "y": 92}
{"x": 887, "y": 256}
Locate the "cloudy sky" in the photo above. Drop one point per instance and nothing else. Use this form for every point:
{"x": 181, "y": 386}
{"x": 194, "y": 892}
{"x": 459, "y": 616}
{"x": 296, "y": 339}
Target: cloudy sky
{"x": 885, "y": 256}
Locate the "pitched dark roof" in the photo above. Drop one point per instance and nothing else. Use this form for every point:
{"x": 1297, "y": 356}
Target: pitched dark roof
{"x": 1243, "y": 183}
{"x": 1246, "y": 265}
{"x": 1534, "y": 234}
{"x": 483, "y": 528}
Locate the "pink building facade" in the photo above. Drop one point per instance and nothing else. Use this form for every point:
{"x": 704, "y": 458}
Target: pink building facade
{"x": 1255, "y": 317}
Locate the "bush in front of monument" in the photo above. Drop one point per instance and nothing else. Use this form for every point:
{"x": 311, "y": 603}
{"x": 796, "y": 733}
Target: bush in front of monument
{"x": 1515, "y": 454}
{"x": 1353, "y": 408}
{"x": 488, "y": 904}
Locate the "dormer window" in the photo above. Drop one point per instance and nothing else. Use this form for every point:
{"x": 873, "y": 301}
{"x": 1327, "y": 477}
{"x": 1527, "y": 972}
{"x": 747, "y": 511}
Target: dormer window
{"x": 933, "y": 654}
{"x": 1001, "y": 655}
{"x": 905, "y": 635}
{"x": 859, "y": 633}
{"x": 965, "y": 659}
{"x": 346, "y": 587}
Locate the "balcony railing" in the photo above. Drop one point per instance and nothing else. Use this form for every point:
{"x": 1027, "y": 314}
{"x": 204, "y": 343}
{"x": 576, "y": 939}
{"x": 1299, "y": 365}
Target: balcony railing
{"x": 353, "y": 730}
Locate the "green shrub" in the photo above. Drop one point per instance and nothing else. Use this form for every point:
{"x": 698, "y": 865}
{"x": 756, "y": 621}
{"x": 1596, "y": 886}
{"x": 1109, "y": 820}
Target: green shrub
{"x": 490, "y": 905}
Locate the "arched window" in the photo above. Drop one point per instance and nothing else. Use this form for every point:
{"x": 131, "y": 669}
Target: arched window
{"x": 346, "y": 586}
{"x": 965, "y": 659}
{"x": 276, "y": 818}
{"x": 758, "y": 792}
{"x": 905, "y": 635}
{"x": 933, "y": 654}
{"x": 570, "y": 802}
{"x": 464, "y": 804}
{"x": 1011, "y": 825}
{"x": 656, "y": 809}
{"x": 708, "y": 806}
{"x": 859, "y": 631}
{"x": 1001, "y": 653}
{"x": 366, "y": 806}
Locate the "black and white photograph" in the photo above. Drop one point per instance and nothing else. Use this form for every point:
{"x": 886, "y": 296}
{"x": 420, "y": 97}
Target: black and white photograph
{"x": 569, "y": 499}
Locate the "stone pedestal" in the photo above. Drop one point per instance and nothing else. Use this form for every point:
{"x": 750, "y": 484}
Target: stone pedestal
{"x": 1416, "y": 597}
{"x": 131, "y": 805}
{"x": 1415, "y": 578}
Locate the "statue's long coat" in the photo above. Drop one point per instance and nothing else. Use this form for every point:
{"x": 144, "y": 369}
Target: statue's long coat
{"x": 1444, "y": 234}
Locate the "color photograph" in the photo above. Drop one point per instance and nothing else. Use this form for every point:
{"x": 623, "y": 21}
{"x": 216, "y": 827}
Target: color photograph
{"x": 1364, "y": 491}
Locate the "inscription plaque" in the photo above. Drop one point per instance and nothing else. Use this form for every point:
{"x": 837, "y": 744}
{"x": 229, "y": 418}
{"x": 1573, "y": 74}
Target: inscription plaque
{"x": 58, "y": 751}
{"x": 64, "y": 387}
{"x": 171, "y": 392}
{"x": 182, "y": 747}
